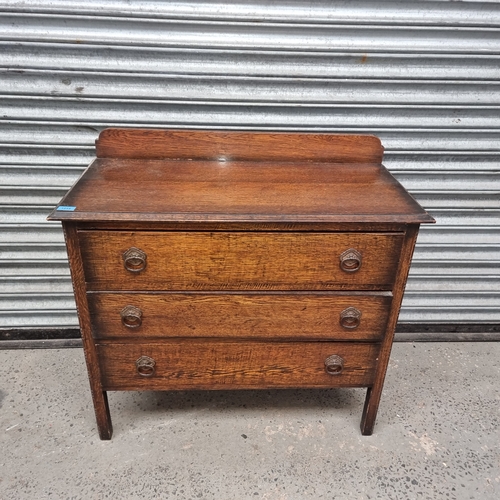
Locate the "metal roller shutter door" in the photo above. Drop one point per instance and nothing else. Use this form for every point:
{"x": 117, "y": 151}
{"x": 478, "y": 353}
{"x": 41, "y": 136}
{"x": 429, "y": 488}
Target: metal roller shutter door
{"x": 423, "y": 76}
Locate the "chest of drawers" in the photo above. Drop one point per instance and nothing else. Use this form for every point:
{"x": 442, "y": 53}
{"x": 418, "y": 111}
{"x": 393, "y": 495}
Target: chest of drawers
{"x": 235, "y": 260}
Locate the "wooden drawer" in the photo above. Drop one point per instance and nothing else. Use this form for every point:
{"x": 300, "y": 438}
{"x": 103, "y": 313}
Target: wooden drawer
{"x": 199, "y": 364}
{"x": 320, "y": 315}
{"x": 238, "y": 261}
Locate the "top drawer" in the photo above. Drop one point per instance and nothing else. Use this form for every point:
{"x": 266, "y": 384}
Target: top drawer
{"x": 175, "y": 260}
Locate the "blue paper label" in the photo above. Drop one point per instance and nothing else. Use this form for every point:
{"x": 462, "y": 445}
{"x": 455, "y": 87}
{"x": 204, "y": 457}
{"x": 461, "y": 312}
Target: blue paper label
{"x": 66, "y": 208}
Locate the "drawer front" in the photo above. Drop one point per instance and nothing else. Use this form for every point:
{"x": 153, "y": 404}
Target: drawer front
{"x": 239, "y": 260}
{"x": 199, "y": 364}
{"x": 321, "y": 315}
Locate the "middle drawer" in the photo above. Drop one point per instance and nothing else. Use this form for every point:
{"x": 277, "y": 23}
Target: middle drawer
{"x": 311, "y": 315}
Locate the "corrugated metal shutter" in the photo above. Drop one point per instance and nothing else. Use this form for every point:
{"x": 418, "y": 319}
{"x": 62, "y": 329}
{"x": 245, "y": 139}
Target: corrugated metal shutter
{"x": 423, "y": 76}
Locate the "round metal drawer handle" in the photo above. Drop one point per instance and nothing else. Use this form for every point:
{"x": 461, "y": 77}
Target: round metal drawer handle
{"x": 334, "y": 365}
{"x": 145, "y": 366}
{"x": 131, "y": 317}
{"x": 134, "y": 260}
{"x": 350, "y": 318}
{"x": 350, "y": 260}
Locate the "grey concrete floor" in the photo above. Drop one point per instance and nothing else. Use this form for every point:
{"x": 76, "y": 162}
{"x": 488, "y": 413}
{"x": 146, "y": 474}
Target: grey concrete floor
{"x": 437, "y": 434}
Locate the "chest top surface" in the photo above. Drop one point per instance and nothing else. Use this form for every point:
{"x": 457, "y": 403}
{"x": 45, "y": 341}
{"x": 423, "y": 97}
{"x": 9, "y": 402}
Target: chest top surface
{"x": 184, "y": 176}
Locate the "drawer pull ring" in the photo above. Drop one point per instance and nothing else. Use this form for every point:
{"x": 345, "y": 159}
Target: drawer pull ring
{"x": 145, "y": 366}
{"x": 350, "y": 260}
{"x": 134, "y": 260}
{"x": 334, "y": 365}
{"x": 350, "y": 318}
{"x": 131, "y": 316}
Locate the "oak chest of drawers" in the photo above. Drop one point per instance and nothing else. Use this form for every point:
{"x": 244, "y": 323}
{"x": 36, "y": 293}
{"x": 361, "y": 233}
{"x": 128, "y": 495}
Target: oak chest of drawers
{"x": 234, "y": 260}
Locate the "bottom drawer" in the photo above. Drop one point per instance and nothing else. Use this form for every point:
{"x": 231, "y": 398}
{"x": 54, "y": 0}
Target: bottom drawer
{"x": 202, "y": 364}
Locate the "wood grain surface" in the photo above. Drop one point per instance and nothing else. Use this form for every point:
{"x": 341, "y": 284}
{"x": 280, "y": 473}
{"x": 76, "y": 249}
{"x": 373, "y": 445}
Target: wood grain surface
{"x": 229, "y": 145}
{"x": 271, "y": 315}
{"x": 201, "y": 364}
{"x": 294, "y": 227}
{"x": 239, "y": 261}
{"x": 215, "y": 191}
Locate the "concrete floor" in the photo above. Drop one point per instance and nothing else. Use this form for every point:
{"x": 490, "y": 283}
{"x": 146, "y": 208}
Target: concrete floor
{"x": 437, "y": 435}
